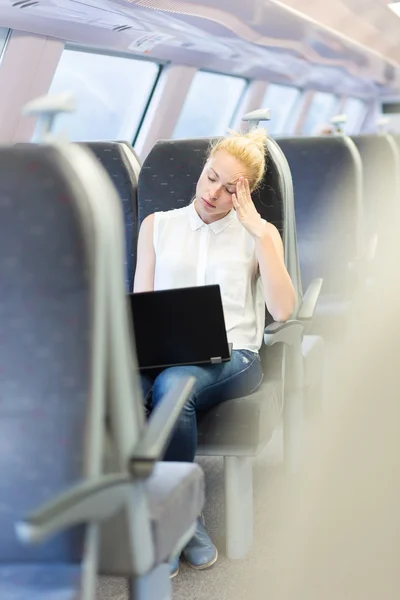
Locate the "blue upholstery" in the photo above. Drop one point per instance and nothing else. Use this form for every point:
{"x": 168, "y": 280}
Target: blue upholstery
{"x": 328, "y": 207}
{"x": 113, "y": 157}
{"x": 45, "y": 326}
{"x": 33, "y": 582}
{"x": 170, "y": 172}
{"x": 53, "y": 233}
{"x": 327, "y": 180}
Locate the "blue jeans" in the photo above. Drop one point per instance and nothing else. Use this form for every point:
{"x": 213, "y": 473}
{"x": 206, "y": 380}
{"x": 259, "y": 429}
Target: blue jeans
{"x": 214, "y": 384}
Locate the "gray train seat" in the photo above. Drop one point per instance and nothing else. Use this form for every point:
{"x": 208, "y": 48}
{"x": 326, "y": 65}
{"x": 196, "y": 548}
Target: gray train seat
{"x": 327, "y": 181}
{"x": 380, "y": 155}
{"x": 396, "y": 138}
{"x": 238, "y": 429}
{"x": 123, "y": 166}
{"x": 68, "y": 359}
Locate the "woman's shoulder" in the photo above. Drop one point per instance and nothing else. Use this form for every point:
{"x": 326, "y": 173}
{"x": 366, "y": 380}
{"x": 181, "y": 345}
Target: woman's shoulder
{"x": 167, "y": 215}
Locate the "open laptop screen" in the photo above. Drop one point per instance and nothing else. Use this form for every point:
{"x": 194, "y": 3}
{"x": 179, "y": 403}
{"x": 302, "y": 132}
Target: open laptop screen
{"x": 179, "y": 327}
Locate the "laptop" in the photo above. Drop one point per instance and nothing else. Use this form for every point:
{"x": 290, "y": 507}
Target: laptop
{"x": 183, "y": 326}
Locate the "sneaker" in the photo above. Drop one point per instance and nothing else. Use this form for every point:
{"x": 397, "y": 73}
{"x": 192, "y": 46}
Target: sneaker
{"x": 200, "y": 553}
{"x": 174, "y": 567}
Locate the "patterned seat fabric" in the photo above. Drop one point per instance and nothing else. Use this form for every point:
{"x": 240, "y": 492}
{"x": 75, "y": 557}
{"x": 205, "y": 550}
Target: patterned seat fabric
{"x": 328, "y": 206}
{"x": 33, "y": 582}
{"x": 48, "y": 413}
{"x": 45, "y": 326}
{"x": 122, "y": 166}
{"x": 170, "y": 172}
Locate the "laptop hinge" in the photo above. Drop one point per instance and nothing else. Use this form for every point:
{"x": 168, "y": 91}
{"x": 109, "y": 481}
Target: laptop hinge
{"x": 215, "y": 360}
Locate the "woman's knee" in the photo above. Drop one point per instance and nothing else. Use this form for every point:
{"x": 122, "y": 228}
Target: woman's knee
{"x": 166, "y": 381}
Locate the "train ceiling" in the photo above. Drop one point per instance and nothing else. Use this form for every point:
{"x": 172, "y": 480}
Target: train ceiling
{"x": 325, "y": 45}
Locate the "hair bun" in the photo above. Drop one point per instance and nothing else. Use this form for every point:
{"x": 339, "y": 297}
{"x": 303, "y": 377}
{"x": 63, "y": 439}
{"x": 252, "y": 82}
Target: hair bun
{"x": 258, "y": 136}
{"x": 249, "y": 148}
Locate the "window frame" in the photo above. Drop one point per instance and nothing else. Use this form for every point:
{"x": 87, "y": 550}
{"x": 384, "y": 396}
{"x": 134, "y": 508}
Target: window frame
{"x": 356, "y": 130}
{"x": 296, "y": 105}
{"x": 6, "y": 40}
{"x": 239, "y": 104}
{"x": 75, "y": 47}
{"x": 316, "y": 92}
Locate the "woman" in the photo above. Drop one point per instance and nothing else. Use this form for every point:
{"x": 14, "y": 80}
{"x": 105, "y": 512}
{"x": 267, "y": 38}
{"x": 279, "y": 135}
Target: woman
{"x": 218, "y": 239}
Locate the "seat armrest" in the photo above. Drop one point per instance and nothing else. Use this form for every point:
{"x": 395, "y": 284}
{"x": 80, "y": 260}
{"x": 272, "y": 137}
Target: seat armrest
{"x": 160, "y": 426}
{"x": 100, "y": 499}
{"x": 310, "y": 300}
{"x": 288, "y": 333}
{"x": 86, "y": 502}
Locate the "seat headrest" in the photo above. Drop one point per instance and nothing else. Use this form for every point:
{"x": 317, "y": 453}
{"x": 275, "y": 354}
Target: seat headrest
{"x": 327, "y": 179}
{"x": 123, "y": 166}
{"x": 46, "y": 318}
{"x": 170, "y": 172}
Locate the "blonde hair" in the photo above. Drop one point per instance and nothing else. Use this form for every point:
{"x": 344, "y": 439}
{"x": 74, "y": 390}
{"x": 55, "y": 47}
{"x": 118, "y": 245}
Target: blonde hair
{"x": 249, "y": 148}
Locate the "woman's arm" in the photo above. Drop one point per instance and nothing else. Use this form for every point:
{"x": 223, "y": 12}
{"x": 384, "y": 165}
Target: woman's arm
{"x": 146, "y": 258}
{"x": 279, "y": 293}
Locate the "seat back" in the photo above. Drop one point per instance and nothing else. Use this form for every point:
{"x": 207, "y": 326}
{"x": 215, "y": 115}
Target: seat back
{"x": 72, "y": 328}
{"x": 168, "y": 180}
{"x": 380, "y": 156}
{"x": 47, "y": 333}
{"x": 327, "y": 180}
{"x": 123, "y": 166}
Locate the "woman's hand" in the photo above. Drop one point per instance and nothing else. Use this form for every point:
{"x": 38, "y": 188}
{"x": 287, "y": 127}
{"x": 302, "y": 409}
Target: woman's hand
{"x": 279, "y": 293}
{"x": 246, "y": 211}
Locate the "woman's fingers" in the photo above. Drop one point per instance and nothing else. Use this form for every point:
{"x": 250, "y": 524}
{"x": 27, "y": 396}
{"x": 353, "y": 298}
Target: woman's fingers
{"x": 247, "y": 186}
{"x": 243, "y": 190}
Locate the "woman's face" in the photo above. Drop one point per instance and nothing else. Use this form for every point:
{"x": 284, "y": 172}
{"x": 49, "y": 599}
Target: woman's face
{"x": 216, "y": 185}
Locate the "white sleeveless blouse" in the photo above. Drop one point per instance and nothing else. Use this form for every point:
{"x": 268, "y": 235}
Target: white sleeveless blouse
{"x": 191, "y": 253}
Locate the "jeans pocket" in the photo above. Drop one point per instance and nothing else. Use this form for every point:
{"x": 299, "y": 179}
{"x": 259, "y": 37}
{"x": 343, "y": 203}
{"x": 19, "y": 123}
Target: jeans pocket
{"x": 250, "y": 355}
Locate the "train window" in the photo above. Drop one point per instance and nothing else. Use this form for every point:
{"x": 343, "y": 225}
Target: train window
{"x": 112, "y": 93}
{"x": 281, "y": 99}
{"x": 355, "y": 109}
{"x": 210, "y": 105}
{"x": 3, "y": 40}
{"x": 322, "y": 108}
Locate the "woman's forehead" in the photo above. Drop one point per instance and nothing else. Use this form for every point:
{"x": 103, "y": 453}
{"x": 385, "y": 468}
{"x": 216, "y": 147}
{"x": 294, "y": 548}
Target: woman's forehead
{"x": 227, "y": 167}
